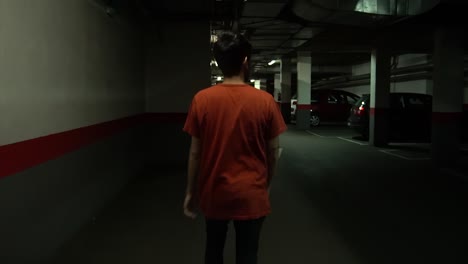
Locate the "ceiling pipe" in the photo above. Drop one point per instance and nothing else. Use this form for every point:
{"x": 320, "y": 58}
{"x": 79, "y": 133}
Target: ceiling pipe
{"x": 375, "y": 7}
{"x": 427, "y": 67}
{"x": 364, "y": 79}
{"x": 363, "y": 13}
{"x": 393, "y": 79}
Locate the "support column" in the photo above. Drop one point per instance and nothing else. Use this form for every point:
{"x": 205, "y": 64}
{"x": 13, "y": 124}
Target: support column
{"x": 304, "y": 73}
{"x": 380, "y": 97}
{"x": 447, "y": 103}
{"x": 257, "y": 84}
{"x": 263, "y": 84}
{"x": 285, "y": 83}
{"x": 277, "y": 89}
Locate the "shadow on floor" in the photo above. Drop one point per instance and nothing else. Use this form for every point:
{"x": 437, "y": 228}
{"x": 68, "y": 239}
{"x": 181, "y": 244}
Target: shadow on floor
{"x": 333, "y": 203}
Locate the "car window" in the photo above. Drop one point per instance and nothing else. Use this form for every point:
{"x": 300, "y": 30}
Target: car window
{"x": 352, "y": 99}
{"x": 336, "y": 98}
{"x": 397, "y": 101}
{"x": 417, "y": 101}
{"x": 332, "y": 99}
{"x": 362, "y": 101}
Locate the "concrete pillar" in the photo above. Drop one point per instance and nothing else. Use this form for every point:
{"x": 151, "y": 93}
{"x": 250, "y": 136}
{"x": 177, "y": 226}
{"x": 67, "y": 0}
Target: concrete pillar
{"x": 277, "y": 88}
{"x": 257, "y": 84}
{"x": 380, "y": 97}
{"x": 304, "y": 73}
{"x": 285, "y": 81}
{"x": 448, "y": 87}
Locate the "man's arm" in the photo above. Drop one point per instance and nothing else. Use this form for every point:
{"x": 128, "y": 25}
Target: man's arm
{"x": 193, "y": 166}
{"x": 273, "y": 156}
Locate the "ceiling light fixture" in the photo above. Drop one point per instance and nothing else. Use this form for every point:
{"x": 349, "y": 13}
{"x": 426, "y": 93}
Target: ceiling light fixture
{"x": 272, "y": 62}
{"x": 213, "y": 62}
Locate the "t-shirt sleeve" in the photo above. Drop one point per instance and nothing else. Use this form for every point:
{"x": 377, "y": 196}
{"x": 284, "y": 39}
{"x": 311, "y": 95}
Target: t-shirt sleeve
{"x": 192, "y": 123}
{"x": 277, "y": 125}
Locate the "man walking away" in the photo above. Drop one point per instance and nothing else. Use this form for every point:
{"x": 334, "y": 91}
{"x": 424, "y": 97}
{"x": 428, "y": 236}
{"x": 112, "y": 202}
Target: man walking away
{"x": 233, "y": 154}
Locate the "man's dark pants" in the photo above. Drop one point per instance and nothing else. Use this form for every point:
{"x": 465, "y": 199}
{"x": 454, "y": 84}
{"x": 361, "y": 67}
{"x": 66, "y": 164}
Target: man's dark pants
{"x": 247, "y": 237}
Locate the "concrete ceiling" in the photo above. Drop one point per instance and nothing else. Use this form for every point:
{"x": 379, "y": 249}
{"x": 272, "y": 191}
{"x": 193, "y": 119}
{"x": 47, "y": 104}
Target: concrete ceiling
{"x": 336, "y": 32}
{"x": 340, "y": 32}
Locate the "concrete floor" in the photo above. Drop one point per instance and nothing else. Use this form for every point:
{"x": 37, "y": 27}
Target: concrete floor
{"x": 334, "y": 201}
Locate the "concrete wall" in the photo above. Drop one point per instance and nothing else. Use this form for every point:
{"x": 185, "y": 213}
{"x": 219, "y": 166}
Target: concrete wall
{"x": 174, "y": 47}
{"x": 64, "y": 65}
{"x": 465, "y": 93}
{"x": 465, "y": 100}
{"x": 360, "y": 69}
{"x": 417, "y": 86}
{"x": 358, "y": 90}
{"x": 403, "y": 61}
{"x": 412, "y": 59}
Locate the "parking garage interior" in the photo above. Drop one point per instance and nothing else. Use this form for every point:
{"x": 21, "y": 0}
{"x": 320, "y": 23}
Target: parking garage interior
{"x": 94, "y": 95}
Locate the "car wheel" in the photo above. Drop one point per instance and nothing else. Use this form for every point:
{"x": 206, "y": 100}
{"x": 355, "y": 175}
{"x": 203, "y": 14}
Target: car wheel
{"x": 314, "y": 120}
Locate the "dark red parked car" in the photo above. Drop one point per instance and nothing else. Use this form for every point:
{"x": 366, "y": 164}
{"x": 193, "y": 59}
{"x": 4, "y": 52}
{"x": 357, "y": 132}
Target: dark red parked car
{"x": 328, "y": 106}
{"x": 409, "y": 116}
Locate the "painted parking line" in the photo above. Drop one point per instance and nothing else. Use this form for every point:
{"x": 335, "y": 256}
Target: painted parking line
{"x": 390, "y": 152}
{"x": 410, "y": 144}
{"x": 315, "y": 134}
{"x": 353, "y": 141}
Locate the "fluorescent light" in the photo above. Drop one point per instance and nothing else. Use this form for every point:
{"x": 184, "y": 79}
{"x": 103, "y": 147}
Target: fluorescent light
{"x": 213, "y": 62}
{"x": 219, "y": 78}
{"x": 252, "y": 80}
{"x": 272, "y": 62}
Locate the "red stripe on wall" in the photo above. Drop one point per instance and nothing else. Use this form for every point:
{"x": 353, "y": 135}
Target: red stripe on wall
{"x": 378, "y": 111}
{"x": 165, "y": 118}
{"x": 23, "y": 155}
{"x": 304, "y": 107}
{"x": 439, "y": 117}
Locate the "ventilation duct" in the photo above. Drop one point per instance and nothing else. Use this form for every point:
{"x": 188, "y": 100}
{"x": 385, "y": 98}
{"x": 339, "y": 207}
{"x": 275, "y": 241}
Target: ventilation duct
{"x": 359, "y": 12}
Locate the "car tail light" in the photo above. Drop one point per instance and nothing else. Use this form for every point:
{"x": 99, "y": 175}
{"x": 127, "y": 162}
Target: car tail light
{"x": 361, "y": 110}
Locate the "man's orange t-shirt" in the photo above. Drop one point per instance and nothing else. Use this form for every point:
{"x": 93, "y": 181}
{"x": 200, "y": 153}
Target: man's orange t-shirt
{"x": 234, "y": 124}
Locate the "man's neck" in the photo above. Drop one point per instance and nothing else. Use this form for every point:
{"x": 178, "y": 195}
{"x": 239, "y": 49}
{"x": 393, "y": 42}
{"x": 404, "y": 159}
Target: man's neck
{"x": 234, "y": 80}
